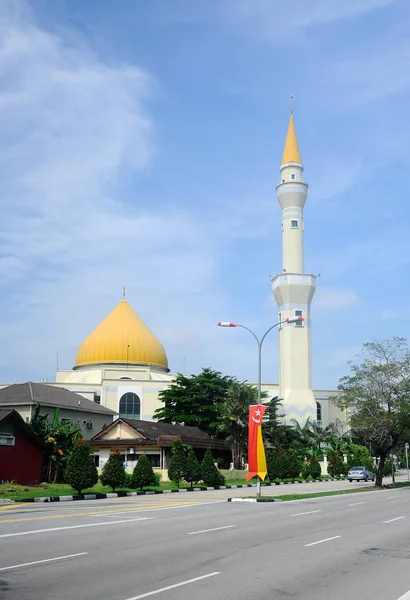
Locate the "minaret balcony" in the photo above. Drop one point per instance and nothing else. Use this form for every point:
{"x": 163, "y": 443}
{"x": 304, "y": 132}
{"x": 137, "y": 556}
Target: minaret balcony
{"x": 293, "y": 288}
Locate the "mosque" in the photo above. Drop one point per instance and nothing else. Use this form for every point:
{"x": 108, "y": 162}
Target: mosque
{"x": 122, "y": 365}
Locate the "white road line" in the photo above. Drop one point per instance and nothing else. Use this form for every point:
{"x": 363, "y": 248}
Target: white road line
{"x": 321, "y": 541}
{"x": 309, "y": 512}
{"x": 33, "y": 531}
{"x": 172, "y": 587}
{"x": 38, "y": 562}
{"x": 213, "y": 529}
{"x": 356, "y": 503}
{"x": 405, "y": 596}
{"x": 391, "y": 520}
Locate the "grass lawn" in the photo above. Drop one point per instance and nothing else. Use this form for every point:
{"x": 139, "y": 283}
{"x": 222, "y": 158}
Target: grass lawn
{"x": 288, "y": 497}
{"x": 14, "y": 491}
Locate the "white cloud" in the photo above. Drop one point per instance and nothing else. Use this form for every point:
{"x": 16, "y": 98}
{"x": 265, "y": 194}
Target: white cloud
{"x": 331, "y": 299}
{"x": 72, "y": 127}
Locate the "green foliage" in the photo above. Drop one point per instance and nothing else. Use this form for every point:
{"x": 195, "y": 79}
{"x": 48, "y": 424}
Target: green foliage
{"x": 210, "y": 474}
{"x": 113, "y": 473}
{"x": 143, "y": 474}
{"x": 193, "y": 471}
{"x": 294, "y": 465}
{"x": 283, "y": 464}
{"x": 81, "y": 472}
{"x": 305, "y": 472}
{"x": 315, "y": 470}
{"x": 358, "y": 456}
{"x": 272, "y": 465}
{"x": 376, "y": 394}
{"x": 232, "y": 420}
{"x": 178, "y": 465}
{"x": 336, "y": 466}
{"x": 59, "y": 439}
{"x": 387, "y": 469}
{"x": 195, "y": 400}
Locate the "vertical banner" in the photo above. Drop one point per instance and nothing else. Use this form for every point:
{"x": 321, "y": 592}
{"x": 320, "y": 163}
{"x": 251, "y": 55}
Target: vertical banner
{"x": 256, "y": 449}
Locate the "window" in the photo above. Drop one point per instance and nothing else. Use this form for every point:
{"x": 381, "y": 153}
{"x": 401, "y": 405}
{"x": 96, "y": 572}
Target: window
{"x": 130, "y": 406}
{"x": 292, "y": 176}
{"x": 318, "y": 412}
{"x": 6, "y": 439}
{"x": 154, "y": 459}
{"x": 294, "y": 224}
{"x": 282, "y": 228}
{"x": 97, "y": 398}
{"x": 128, "y": 378}
{"x": 96, "y": 458}
{"x": 299, "y": 313}
{"x": 280, "y": 320}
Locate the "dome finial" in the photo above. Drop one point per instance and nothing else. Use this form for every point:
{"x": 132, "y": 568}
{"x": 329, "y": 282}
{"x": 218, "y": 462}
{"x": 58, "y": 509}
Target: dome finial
{"x": 291, "y": 104}
{"x": 123, "y": 293}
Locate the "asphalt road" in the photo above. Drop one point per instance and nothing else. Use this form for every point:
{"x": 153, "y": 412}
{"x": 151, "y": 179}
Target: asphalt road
{"x": 200, "y": 546}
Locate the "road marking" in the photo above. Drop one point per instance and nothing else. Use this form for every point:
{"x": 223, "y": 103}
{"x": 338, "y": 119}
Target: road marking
{"x": 108, "y": 512}
{"x": 321, "y": 541}
{"x": 309, "y": 512}
{"x": 391, "y": 520}
{"x": 6, "y": 535}
{"x": 213, "y": 529}
{"x": 405, "y": 596}
{"x": 356, "y": 503}
{"x": 46, "y": 560}
{"x": 176, "y": 585}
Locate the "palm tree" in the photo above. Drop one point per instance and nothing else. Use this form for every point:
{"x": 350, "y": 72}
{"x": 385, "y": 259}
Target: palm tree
{"x": 339, "y": 431}
{"x": 233, "y": 421}
{"x": 306, "y": 436}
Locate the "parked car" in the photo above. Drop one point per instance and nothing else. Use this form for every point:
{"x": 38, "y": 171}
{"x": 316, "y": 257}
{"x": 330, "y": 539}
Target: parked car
{"x": 360, "y": 474}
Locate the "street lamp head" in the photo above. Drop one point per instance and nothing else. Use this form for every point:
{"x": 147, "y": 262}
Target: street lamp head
{"x": 294, "y": 319}
{"x": 226, "y": 324}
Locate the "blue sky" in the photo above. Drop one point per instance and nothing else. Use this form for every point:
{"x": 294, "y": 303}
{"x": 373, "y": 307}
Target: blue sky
{"x": 140, "y": 145}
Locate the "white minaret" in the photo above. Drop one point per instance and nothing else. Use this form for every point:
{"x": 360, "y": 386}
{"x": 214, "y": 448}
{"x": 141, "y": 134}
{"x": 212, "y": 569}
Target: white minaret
{"x": 293, "y": 290}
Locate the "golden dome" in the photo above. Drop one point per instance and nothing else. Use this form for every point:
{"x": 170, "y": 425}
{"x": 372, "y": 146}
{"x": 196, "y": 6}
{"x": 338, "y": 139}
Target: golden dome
{"x": 291, "y": 152}
{"x": 121, "y": 338}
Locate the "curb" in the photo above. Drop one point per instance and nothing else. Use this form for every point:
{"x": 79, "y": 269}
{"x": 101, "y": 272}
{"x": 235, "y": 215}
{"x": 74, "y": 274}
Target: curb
{"x": 100, "y": 496}
{"x": 253, "y": 500}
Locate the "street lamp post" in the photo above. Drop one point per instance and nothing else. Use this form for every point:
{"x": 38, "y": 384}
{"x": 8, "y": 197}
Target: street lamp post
{"x": 259, "y": 343}
{"x": 406, "y": 446}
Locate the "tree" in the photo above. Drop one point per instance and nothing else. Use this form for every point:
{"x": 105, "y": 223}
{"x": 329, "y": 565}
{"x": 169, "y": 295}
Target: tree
{"x": 314, "y": 468}
{"x": 81, "y": 472}
{"x": 294, "y": 464}
{"x": 178, "y": 465}
{"x": 193, "y": 471}
{"x": 304, "y": 433}
{"x": 232, "y": 421}
{"x": 272, "y": 464}
{"x": 143, "y": 474}
{"x": 195, "y": 400}
{"x": 275, "y": 433}
{"x": 336, "y": 467}
{"x": 113, "y": 473}
{"x": 210, "y": 474}
{"x": 376, "y": 394}
{"x": 59, "y": 439}
{"x": 358, "y": 456}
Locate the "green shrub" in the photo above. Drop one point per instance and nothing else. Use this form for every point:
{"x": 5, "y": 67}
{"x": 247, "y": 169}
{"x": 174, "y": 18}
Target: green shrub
{"x": 272, "y": 465}
{"x": 193, "y": 472}
{"x": 113, "y": 473}
{"x": 387, "y": 469}
{"x": 336, "y": 466}
{"x": 127, "y": 480}
{"x": 158, "y": 478}
{"x": 177, "y": 466}
{"x": 293, "y": 464}
{"x": 143, "y": 473}
{"x": 305, "y": 472}
{"x": 314, "y": 468}
{"x": 81, "y": 472}
{"x": 358, "y": 456}
{"x": 210, "y": 474}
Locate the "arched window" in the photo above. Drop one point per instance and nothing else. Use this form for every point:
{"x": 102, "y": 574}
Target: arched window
{"x": 130, "y": 406}
{"x": 318, "y": 412}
